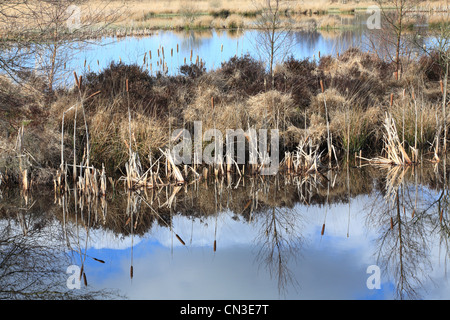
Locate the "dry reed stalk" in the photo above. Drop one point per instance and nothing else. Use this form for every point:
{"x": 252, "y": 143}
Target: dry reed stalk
{"x": 307, "y": 162}
{"x": 328, "y": 123}
{"x": 103, "y": 181}
{"x": 396, "y": 154}
{"x": 175, "y": 170}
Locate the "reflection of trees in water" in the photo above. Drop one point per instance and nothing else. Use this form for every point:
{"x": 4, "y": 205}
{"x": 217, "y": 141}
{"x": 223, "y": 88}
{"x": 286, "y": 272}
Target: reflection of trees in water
{"x": 412, "y": 201}
{"x": 279, "y": 240}
{"x": 279, "y": 243}
{"x": 405, "y": 214}
{"x": 33, "y": 260}
{"x": 334, "y": 41}
{"x": 195, "y": 39}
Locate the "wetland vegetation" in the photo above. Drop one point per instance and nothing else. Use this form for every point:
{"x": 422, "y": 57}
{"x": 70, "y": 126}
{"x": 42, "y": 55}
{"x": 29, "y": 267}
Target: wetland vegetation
{"x": 85, "y": 151}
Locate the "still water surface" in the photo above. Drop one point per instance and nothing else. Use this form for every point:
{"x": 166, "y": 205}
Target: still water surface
{"x": 284, "y": 237}
{"x": 211, "y": 46}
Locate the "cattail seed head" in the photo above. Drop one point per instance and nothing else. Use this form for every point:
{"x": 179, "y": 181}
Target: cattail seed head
{"x": 179, "y": 238}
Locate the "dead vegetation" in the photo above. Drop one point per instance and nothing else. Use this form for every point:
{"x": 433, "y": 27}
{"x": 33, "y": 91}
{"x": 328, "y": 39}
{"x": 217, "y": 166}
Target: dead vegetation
{"x": 120, "y": 120}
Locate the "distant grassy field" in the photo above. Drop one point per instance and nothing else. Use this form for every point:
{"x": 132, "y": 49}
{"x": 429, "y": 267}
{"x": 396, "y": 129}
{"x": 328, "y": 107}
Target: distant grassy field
{"x": 165, "y": 14}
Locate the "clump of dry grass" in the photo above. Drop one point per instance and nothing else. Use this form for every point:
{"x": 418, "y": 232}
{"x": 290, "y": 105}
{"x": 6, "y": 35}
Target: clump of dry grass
{"x": 109, "y": 132}
{"x": 215, "y": 109}
{"x": 271, "y": 109}
{"x": 334, "y": 100}
{"x": 417, "y": 123}
{"x": 203, "y": 22}
{"x": 234, "y": 21}
{"x": 353, "y": 126}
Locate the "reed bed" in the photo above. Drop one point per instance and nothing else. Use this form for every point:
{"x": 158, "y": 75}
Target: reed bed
{"x": 117, "y": 123}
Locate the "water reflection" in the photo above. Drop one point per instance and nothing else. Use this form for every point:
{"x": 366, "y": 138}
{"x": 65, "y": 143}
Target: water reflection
{"x": 235, "y": 237}
{"x": 212, "y": 46}
{"x": 33, "y": 259}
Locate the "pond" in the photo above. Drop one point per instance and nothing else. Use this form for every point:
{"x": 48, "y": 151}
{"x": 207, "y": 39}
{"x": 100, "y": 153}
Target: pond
{"x": 211, "y": 46}
{"x": 355, "y": 233}
{"x": 166, "y": 50}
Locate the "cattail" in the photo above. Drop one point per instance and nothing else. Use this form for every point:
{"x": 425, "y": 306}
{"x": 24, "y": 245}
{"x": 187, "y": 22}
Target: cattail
{"x": 184, "y": 60}
{"x": 321, "y": 86}
{"x": 76, "y": 79}
{"x": 84, "y": 279}
{"x": 158, "y": 53}
{"x": 392, "y": 100}
{"x": 392, "y": 223}
{"x": 215, "y": 246}
{"x": 181, "y": 240}
{"x": 323, "y": 229}
{"x": 162, "y": 51}
{"x": 126, "y": 81}
{"x": 221, "y": 48}
{"x": 177, "y": 47}
{"x": 150, "y": 54}
{"x": 131, "y": 272}
{"x": 441, "y": 215}
{"x": 80, "y": 82}
{"x": 413, "y": 95}
{"x": 191, "y": 55}
{"x": 171, "y": 52}
{"x": 319, "y": 54}
{"x": 81, "y": 271}
{"x": 101, "y": 261}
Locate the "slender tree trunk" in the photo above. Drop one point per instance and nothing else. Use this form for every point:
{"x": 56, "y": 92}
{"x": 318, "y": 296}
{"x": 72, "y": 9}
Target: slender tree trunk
{"x": 444, "y": 103}
{"x": 51, "y": 75}
{"x": 398, "y": 44}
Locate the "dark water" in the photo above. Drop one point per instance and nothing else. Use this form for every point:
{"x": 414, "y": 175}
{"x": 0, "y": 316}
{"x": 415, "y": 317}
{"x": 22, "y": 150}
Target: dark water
{"x": 252, "y": 237}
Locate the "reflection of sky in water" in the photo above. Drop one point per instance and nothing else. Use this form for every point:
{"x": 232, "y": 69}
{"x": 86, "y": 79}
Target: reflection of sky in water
{"x": 206, "y": 44}
{"x": 332, "y": 266}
